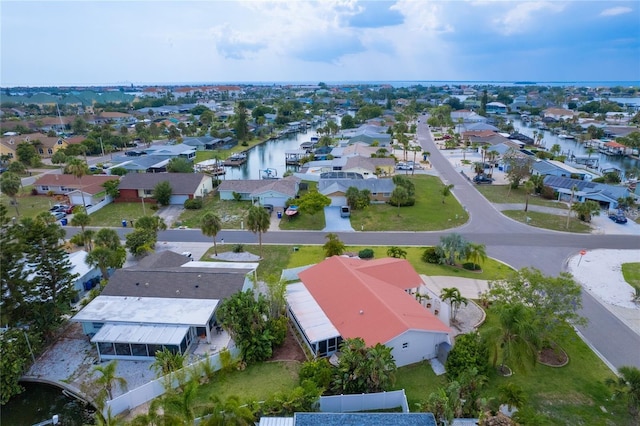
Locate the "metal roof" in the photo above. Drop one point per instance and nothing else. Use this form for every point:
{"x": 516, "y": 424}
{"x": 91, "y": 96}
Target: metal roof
{"x": 141, "y": 334}
{"x": 310, "y": 316}
{"x": 147, "y": 310}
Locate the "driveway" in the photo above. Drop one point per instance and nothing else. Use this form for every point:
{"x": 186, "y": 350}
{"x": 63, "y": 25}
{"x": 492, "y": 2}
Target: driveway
{"x": 170, "y": 214}
{"x": 335, "y": 223}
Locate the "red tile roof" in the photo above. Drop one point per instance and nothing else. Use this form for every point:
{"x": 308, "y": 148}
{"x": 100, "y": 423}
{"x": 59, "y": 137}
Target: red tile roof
{"x": 367, "y": 299}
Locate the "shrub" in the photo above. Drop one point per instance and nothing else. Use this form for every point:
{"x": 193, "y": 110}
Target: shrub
{"x": 432, "y": 255}
{"x": 365, "y": 253}
{"x": 470, "y": 351}
{"x": 548, "y": 193}
{"x": 278, "y": 329}
{"x": 193, "y": 204}
{"x": 238, "y": 248}
{"x": 154, "y": 207}
{"x": 469, "y": 266}
{"x": 319, "y": 371}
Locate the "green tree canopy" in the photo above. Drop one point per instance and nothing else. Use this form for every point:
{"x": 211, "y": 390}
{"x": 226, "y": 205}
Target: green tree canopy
{"x": 179, "y": 165}
{"x": 333, "y": 246}
{"x": 313, "y": 202}
{"x": 162, "y": 192}
{"x": 258, "y": 222}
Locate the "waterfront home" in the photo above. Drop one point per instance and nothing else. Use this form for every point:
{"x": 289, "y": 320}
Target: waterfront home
{"x": 166, "y": 301}
{"x": 336, "y": 189}
{"x": 342, "y": 298}
{"x": 272, "y": 191}
{"x": 184, "y": 186}
{"x": 605, "y": 195}
{"x": 557, "y": 168}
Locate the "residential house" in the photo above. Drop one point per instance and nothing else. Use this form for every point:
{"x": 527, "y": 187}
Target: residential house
{"x": 203, "y": 143}
{"x": 467, "y": 116}
{"x": 45, "y": 145}
{"x": 342, "y": 298}
{"x": 336, "y": 189}
{"x": 360, "y": 419}
{"x": 367, "y": 134}
{"x": 87, "y": 276}
{"x": 557, "y": 168}
{"x": 89, "y": 187}
{"x": 605, "y": 195}
{"x": 135, "y": 187}
{"x": 266, "y": 191}
{"x": 172, "y": 151}
{"x": 496, "y": 108}
{"x": 137, "y": 162}
{"x": 165, "y": 302}
{"x": 558, "y": 114}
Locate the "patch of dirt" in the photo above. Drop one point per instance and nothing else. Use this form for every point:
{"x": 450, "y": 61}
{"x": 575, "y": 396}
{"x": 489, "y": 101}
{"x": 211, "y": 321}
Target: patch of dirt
{"x": 290, "y": 349}
{"x": 553, "y": 357}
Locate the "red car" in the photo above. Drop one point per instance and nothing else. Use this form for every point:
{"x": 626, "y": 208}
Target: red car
{"x": 69, "y": 209}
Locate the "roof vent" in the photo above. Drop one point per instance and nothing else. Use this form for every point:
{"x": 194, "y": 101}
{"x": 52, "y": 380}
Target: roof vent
{"x": 361, "y": 312}
{"x": 177, "y": 291}
{"x": 146, "y": 284}
{"x": 197, "y": 286}
{"x": 137, "y": 283}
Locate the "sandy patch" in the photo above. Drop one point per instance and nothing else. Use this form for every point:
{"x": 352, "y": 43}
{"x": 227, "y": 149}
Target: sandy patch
{"x": 600, "y": 272}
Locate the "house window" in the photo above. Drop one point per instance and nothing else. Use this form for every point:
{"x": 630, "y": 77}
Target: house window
{"x": 59, "y": 142}
{"x": 148, "y": 191}
{"x": 44, "y": 188}
{"x": 40, "y": 150}
{"x": 50, "y": 151}
{"x": 97, "y": 325}
{"x": 405, "y": 345}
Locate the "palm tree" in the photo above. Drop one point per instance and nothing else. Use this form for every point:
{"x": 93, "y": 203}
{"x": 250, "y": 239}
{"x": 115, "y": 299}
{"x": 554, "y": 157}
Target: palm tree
{"x": 455, "y": 299}
{"x": 574, "y": 188}
{"x": 512, "y": 395}
{"x": 78, "y": 168}
{"x": 10, "y": 184}
{"x": 452, "y": 245}
{"x": 628, "y": 386}
{"x": 152, "y": 223}
{"x": 210, "y": 225}
{"x": 476, "y": 254}
{"x": 81, "y": 220}
{"x": 586, "y": 209}
{"x": 517, "y": 336}
{"x": 446, "y": 191}
{"x": 400, "y": 196}
{"x": 529, "y": 187}
{"x": 107, "y": 379}
{"x": 258, "y": 221}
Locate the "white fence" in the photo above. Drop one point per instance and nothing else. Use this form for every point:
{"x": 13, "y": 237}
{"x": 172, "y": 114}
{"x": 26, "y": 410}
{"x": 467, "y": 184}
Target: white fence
{"x": 108, "y": 199}
{"x": 364, "y": 402}
{"x": 156, "y": 388}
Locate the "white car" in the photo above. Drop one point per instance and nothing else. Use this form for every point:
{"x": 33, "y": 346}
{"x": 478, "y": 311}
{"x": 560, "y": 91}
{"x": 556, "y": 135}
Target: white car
{"x": 59, "y": 215}
{"x": 404, "y": 166}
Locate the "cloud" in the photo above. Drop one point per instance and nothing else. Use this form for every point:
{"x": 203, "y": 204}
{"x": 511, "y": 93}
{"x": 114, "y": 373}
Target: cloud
{"x": 235, "y": 45}
{"x": 521, "y": 17}
{"x": 375, "y": 14}
{"x": 613, "y": 11}
{"x": 328, "y": 47}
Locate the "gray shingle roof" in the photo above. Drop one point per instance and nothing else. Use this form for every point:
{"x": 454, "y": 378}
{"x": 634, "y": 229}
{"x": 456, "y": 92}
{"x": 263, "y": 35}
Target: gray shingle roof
{"x": 181, "y": 183}
{"x": 330, "y": 186}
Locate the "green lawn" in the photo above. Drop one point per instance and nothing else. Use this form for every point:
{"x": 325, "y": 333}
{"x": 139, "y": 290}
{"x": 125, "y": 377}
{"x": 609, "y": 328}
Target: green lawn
{"x": 570, "y": 395}
{"x": 114, "y": 213}
{"x": 231, "y": 213}
{"x": 631, "y": 274}
{"x": 548, "y": 221}
{"x": 500, "y": 194}
{"x": 302, "y": 221}
{"x": 257, "y": 382}
{"x": 418, "y": 381}
{"x": 428, "y": 214}
{"x": 29, "y": 205}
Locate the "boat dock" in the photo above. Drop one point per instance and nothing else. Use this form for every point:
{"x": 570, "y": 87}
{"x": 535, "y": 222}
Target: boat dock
{"x": 294, "y": 158}
{"x": 237, "y": 159}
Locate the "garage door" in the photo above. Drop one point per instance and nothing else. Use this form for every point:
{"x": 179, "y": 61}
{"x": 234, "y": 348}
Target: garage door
{"x": 178, "y": 199}
{"x": 338, "y": 201}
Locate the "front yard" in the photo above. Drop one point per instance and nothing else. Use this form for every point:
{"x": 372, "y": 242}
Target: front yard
{"x": 231, "y": 213}
{"x": 548, "y": 221}
{"x": 500, "y": 194}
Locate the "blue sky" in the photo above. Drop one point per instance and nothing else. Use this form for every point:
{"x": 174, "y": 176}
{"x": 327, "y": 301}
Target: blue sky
{"x": 122, "y": 42}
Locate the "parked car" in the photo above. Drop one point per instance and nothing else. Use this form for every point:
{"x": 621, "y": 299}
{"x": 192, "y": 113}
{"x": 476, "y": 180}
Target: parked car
{"x": 404, "y": 166}
{"x": 345, "y": 211}
{"x": 268, "y": 207}
{"x": 59, "y": 215}
{"x": 59, "y": 208}
{"x": 618, "y": 217}
{"x": 68, "y": 209}
{"x": 480, "y": 179}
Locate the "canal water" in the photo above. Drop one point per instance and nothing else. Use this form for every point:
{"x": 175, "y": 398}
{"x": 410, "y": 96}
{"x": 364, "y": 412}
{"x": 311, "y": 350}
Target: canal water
{"x": 269, "y": 155}
{"x": 574, "y": 147}
{"x": 41, "y": 402}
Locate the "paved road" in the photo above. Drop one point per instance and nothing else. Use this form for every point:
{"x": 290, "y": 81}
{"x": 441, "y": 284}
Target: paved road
{"x": 512, "y": 242}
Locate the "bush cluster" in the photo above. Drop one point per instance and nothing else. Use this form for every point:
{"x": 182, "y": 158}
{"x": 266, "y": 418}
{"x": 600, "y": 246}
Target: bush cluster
{"x": 193, "y": 204}
{"x": 365, "y": 253}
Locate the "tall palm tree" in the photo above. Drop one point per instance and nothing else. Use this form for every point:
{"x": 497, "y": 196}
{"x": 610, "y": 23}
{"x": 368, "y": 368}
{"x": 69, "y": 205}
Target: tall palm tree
{"x": 574, "y": 188}
{"x": 152, "y": 223}
{"x": 455, "y": 298}
{"x": 108, "y": 379}
{"x": 529, "y": 187}
{"x": 258, "y": 221}
{"x": 210, "y": 226}
{"x": 628, "y": 386}
{"x": 10, "y": 184}
{"x": 81, "y": 219}
{"x": 476, "y": 254}
{"x": 78, "y": 168}
{"x": 517, "y": 336}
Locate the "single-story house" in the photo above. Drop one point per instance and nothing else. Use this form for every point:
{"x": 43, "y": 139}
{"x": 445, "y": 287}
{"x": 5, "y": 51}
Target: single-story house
{"x": 166, "y": 301}
{"x": 343, "y": 298}
{"x": 367, "y": 134}
{"x": 359, "y": 148}
{"x": 73, "y": 187}
{"x": 87, "y": 276}
{"x": 140, "y": 164}
{"x": 172, "y": 151}
{"x": 266, "y": 191}
{"x": 558, "y": 114}
{"x": 336, "y": 189}
{"x": 368, "y": 167}
{"x": 135, "y": 186}
{"x": 203, "y": 143}
{"x": 496, "y": 108}
{"x": 606, "y": 195}
{"x": 361, "y": 419}
{"x": 557, "y": 168}
{"x": 467, "y": 116}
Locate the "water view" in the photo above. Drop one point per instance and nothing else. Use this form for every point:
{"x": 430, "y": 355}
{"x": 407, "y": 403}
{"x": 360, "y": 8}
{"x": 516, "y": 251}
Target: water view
{"x": 40, "y": 402}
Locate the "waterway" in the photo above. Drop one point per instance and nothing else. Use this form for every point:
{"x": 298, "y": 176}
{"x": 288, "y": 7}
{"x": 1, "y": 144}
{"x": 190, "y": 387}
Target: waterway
{"x": 574, "y": 147}
{"x": 41, "y": 402}
{"x": 269, "y": 155}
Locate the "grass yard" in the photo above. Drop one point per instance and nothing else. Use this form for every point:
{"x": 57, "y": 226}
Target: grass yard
{"x": 231, "y": 213}
{"x": 548, "y": 221}
{"x": 114, "y": 213}
{"x": 302, "y": 221}
{"x": 428, "y": 213}
{"x": 500, "y": 194}
{"x": 570, "y": 395}
{"x": 29, "y": 205}
{"x": 631, "y": 274}
{"x": 492, "y": 269}
{"x": 257, "y": 382}
{"x": 418, "y": 381}
{"x": 275, "y": 257}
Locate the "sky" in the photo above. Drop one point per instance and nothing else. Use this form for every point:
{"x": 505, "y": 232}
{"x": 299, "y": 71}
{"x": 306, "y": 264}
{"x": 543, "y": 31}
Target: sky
{"x": 154, "y": 42}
